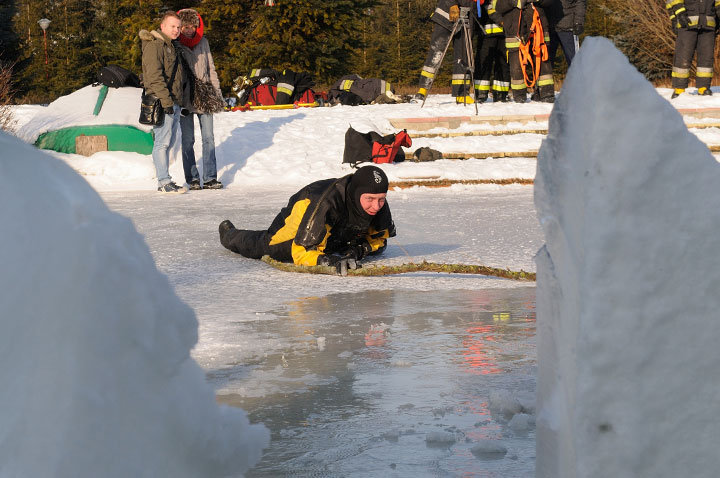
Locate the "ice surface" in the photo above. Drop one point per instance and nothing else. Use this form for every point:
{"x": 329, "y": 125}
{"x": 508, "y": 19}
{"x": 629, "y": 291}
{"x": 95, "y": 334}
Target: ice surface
{"x": 627, "y": 282}
{"x": 97, "y": 379}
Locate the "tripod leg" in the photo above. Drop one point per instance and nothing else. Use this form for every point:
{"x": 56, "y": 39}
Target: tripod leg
{"x": 439, "y": 63}
{"x": 471, "y": 61}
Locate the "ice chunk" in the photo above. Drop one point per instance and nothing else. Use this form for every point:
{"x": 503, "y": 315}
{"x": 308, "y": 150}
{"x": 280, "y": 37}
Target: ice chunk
{"x": 489, "y": 449}
{"x": 96, "y": 371}
{"x": 440, "y": 438}
{"x": 627, "y": 299}
{"x": 521, "y": 422}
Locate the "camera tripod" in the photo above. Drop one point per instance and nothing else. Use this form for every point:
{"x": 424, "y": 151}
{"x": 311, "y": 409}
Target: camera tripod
{"x": 462, "y": 24}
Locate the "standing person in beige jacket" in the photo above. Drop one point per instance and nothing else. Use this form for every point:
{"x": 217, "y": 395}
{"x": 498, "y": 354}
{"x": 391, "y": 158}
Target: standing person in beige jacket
{"x": 208, "y": 101}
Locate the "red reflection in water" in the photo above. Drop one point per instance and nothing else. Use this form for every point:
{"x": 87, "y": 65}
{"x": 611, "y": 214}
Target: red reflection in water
{"x": 475, "y": 350}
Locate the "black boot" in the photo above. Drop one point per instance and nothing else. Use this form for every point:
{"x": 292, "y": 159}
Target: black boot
{"x": 225, "y": 227}
{"x": 481, "y": 96}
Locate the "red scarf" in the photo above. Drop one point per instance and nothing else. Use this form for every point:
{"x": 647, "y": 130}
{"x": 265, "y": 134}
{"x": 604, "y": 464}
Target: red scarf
{"x": 191, "y": 42}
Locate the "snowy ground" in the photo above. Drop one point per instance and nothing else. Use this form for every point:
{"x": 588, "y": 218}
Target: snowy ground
{"x": 393, "y": 376}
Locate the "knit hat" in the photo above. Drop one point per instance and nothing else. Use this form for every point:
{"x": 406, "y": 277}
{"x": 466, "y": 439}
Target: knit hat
{"x": 368, "y": 179}
{"x": 188, "y": 16}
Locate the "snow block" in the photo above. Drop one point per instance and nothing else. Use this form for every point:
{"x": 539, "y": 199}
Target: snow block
{"x": 627, "y": 298}
{"x": 97, "y": 378}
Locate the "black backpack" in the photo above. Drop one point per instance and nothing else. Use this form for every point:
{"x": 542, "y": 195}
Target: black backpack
{"x": 116, "y": 76}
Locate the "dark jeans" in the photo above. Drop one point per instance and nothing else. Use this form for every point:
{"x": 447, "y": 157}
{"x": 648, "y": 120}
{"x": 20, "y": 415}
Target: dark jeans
{"x": 564, "y": 39}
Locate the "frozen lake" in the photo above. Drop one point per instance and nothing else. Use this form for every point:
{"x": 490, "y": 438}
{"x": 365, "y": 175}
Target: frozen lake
{"x": 388, "y": 376}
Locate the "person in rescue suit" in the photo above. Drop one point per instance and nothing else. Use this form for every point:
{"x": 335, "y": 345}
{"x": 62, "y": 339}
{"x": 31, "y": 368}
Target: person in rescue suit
{"x": 445, "y": 15}
{"x": 516, "y": 18}
{"x": 695, "y": 22}
{"x": 331, "y": 222}
{"x": 491, "y": 60}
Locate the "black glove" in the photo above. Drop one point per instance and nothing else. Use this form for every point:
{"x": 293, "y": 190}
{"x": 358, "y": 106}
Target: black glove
{"x": 341, "y": 264}
{"x": 184, "y": 111}
{"x": 358, "y": 251}
{"x": 682, "y": 19}
{"x": 578, "y": 29}
{"x": 169, "y": 110}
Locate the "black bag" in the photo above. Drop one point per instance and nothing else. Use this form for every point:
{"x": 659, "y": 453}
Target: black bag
{"x": 371, "y": 146}
{"x": 115, "y": 76}
{"x": 151, "y": 110}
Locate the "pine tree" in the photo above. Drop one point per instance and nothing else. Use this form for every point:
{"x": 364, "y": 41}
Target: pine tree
{"x": 305, "y": 35}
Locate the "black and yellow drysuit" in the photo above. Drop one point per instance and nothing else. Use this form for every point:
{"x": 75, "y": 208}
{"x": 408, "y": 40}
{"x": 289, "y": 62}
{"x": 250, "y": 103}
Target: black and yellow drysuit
{"x": 695, "y": 22}
{"x": 321, "y": 220}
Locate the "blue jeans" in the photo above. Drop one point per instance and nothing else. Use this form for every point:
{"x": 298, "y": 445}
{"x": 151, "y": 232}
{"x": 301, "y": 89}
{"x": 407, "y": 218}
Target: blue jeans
{"x": 187, "y": 127}
{"x": 162, "y": 139}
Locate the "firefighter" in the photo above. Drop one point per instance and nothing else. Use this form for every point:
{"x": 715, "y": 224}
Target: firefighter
{"x": 516, "y": 18}
{"x": 491, "y": 60}
{"x": 695, "y": 22}
{"x": 445, "y": 15}
{"x": 331, "y": 222}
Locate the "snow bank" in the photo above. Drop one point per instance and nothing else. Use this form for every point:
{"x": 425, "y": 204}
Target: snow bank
{"x": 121, "y": 106}
{"x": 97, "y": 379}
{"x": 627, "y": 282}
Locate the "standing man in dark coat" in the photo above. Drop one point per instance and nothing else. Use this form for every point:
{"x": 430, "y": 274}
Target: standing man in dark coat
{"x": 331, "y": 222}
{"x": 516, "y": 17}
{"x": 164, "y": 77}
{"x": 695, "y": 22}
{"x": 445, "y": 15}
{"x": 567, "y": 20}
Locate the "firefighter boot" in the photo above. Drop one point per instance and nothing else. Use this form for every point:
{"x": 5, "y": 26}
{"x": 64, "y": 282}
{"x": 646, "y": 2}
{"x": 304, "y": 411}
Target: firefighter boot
{"x": 704, "y": 91}
{"x": 481, "y": 96}
{"x": 467, "y": 99}
{"x": 677, "y": 92}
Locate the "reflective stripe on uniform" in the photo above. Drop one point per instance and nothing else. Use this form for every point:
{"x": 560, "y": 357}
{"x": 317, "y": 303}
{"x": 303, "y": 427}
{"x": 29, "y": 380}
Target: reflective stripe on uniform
{"x": 427, "y": 74}
{"x": 517, "y": 84}
{"x": 482, "y": 85}
{"x": 710, "y": 21}
{"x": 442, "y": 13}
{"x": 492, "y": 28}
{"x": 286, "y": 88}
{"x": 545, "y": 80}
{"x": 501, "y": 86}
{"x": 255, "y": 72}
{"x": 671, "y": 3}
{"x": 704, "y": 72}
{"x": 694, "y": 19}
{"x": 680, "y": 72}
{"x": 512, "y": 43}
{"x": 346, "y": 84}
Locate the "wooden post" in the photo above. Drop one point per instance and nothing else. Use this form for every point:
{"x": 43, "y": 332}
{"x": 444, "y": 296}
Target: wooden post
{"x": 89, "y": 145}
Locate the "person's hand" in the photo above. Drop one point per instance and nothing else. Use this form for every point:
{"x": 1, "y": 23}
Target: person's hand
{"x": 341, "y": 264}
{"x": 578, "y": 29}
{"x": 454, "y": 13}
{"x": 184, "y": 111}
{"x": 169, "y": 110}
{"x": 683, "y": 19}
{"x": 358, "y": 251}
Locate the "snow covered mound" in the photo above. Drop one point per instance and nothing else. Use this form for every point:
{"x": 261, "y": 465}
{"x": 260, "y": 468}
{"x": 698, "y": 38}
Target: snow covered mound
{"x": 96, "y": 374}
{"x": 627, "y": 297}
{"x": 121, "y": 106}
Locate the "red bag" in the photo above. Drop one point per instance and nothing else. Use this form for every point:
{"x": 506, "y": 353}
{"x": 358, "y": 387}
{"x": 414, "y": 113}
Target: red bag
{"x": 385, "y": 153}
{"x": 263, "y": 94}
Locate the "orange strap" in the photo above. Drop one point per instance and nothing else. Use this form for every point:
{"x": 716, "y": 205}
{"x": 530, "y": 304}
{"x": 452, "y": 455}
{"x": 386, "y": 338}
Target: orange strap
{"x": 534, "y": 51}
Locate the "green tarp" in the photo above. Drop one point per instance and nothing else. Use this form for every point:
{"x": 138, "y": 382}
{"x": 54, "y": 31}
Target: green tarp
{"x": 120, "y": 138}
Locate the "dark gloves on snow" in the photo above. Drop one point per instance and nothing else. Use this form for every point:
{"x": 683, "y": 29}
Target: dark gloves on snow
{"x": 358, "y": 251}
{"x": 341, "y": 263}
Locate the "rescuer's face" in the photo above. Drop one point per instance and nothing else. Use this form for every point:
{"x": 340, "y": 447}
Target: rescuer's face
{"x": 372, "y": 203}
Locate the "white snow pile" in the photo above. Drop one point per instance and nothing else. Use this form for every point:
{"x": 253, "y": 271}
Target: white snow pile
{"x": 627, "y": 299}
{"x": 489, "y": 449}
{"x": 76, "y": 109}
{"x": 96, "y": 374}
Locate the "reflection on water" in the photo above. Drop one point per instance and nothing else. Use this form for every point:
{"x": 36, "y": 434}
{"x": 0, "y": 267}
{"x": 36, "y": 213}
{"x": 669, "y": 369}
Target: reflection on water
{"x": 393, "y": 383}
